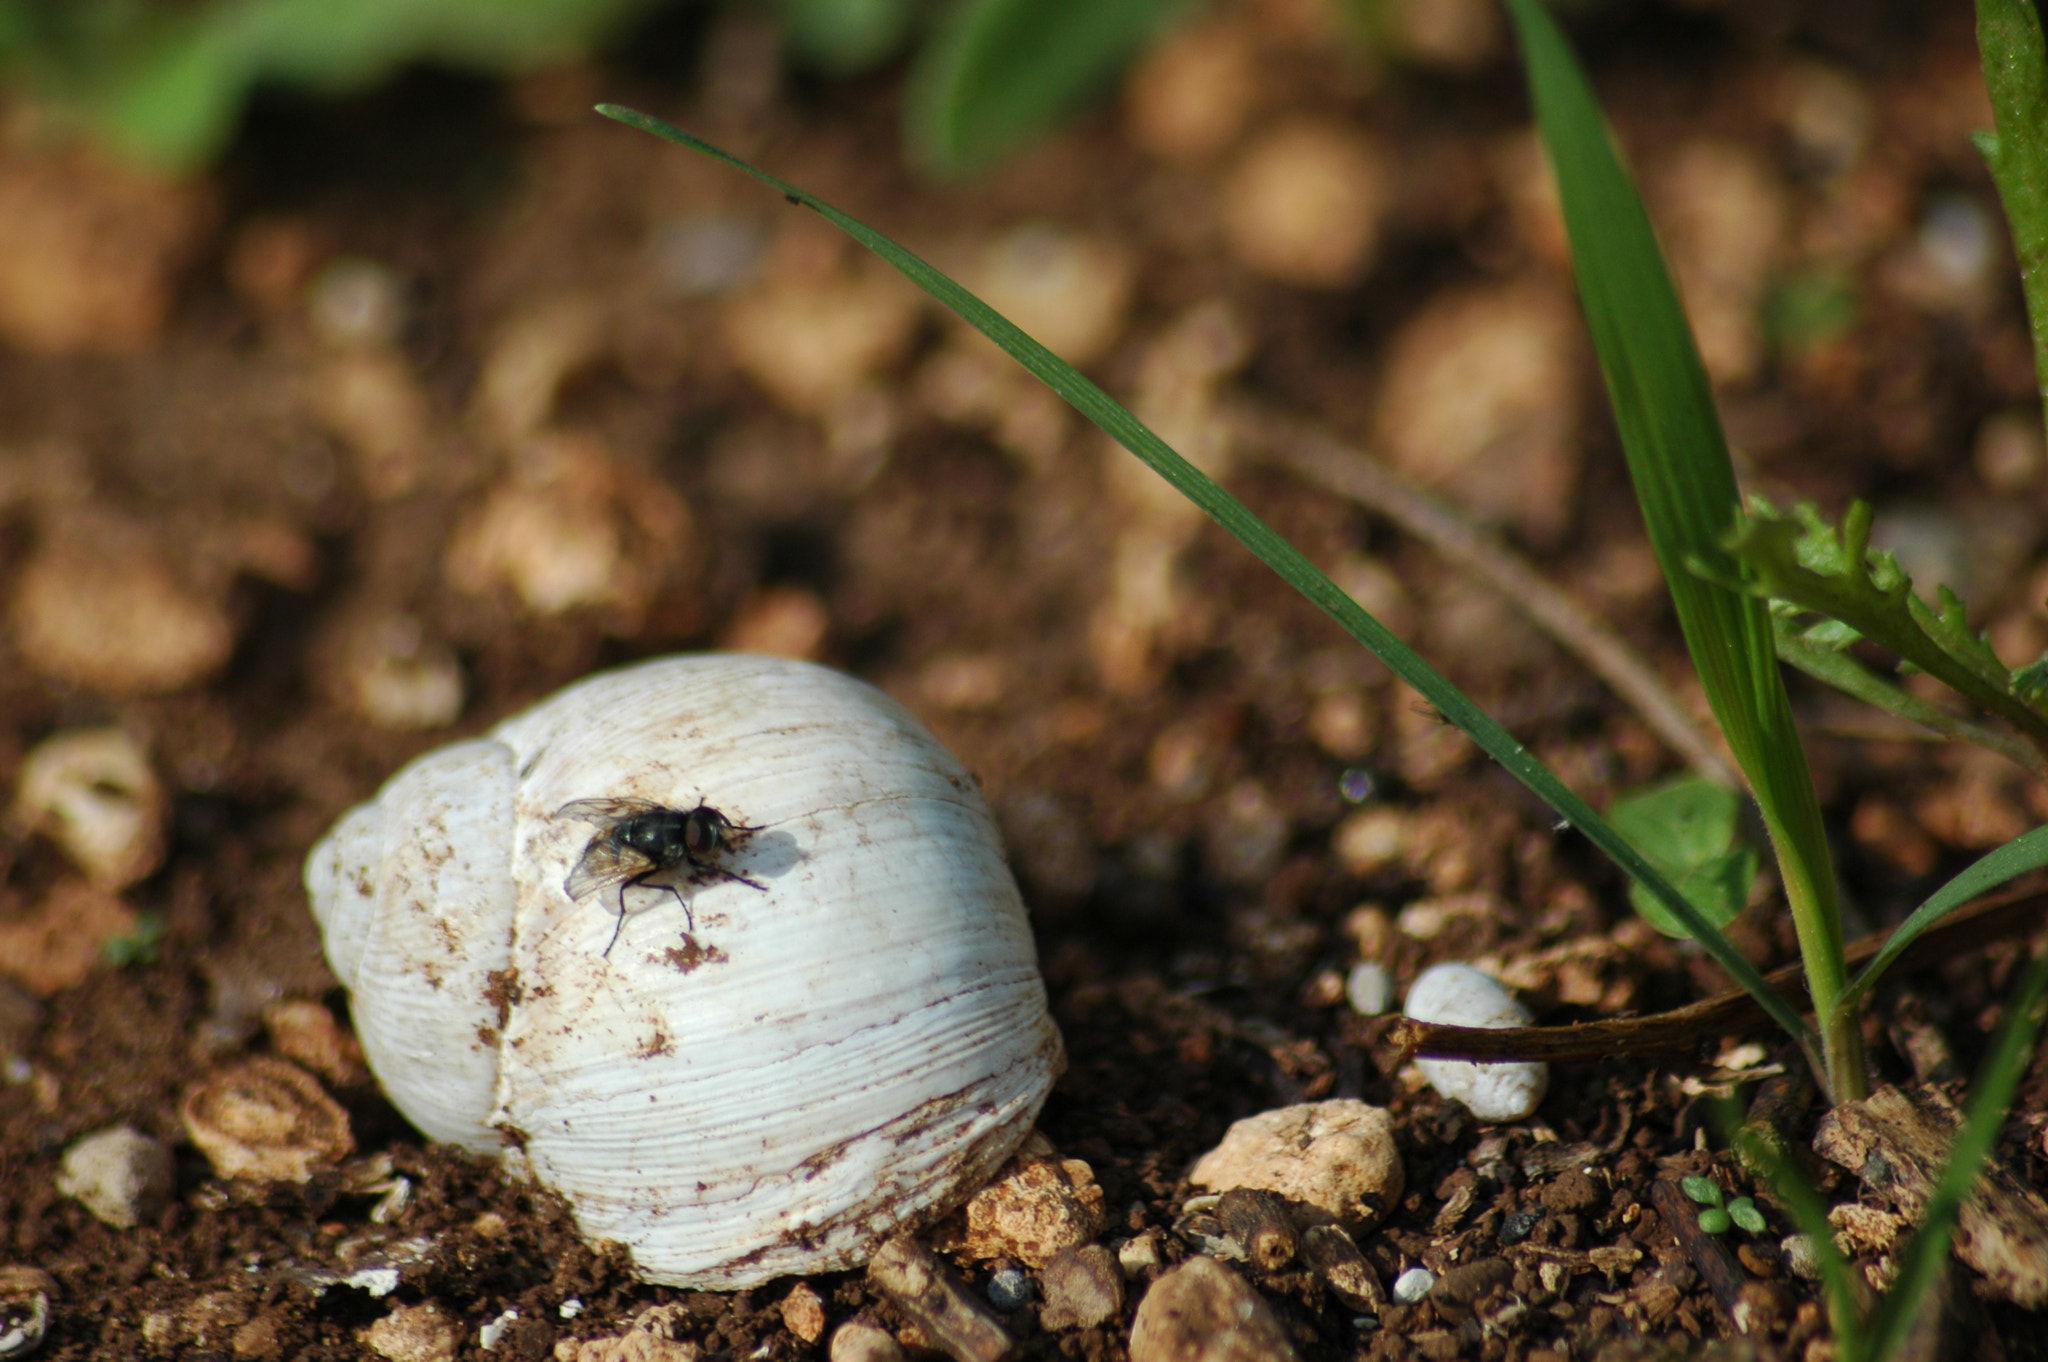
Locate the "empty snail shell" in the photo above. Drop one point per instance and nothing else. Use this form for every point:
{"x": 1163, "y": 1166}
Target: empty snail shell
{"x": 822, "y": 1017}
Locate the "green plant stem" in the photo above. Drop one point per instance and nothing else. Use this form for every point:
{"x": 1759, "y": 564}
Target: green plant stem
{"x": 1685, "y": 482}
{"x": 1850, "y": 677}
{"x": 2016, "y": 75}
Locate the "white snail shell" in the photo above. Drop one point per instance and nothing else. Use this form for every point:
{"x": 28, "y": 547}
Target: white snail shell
{"x": 855, "y": 1045}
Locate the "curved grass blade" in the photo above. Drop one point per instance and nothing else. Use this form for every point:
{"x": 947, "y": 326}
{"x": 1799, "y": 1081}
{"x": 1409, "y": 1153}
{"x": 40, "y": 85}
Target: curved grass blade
{"x": 1999, "y": 1079}
{"x": 2028, "y": 851}
{"x": 1685, "y": 483}
{"x": 1271, "y": 550}
{"x": 1761, "y": 1151}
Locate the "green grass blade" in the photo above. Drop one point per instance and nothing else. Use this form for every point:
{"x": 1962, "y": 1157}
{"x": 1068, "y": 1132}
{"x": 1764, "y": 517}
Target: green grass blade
{"x": 1678, "y": 461}
{"x": 1271, "y": 549}
{"x": 2028, "y": 851}
{"x": 1758, "y": 1148}
{"x": 1003, "y": 72}
{"x": 1996, "y": 1082}
{"x": 2016, "y": 74}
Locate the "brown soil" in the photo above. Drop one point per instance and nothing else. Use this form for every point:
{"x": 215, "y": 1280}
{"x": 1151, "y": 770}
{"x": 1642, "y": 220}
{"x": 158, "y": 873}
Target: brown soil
{"x": 1170, "y": 792}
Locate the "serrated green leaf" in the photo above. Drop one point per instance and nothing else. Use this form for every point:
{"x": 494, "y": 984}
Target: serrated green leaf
{"x": 1800, "y": 559}
{"x": 2030, "y": 682}
{"x": 1703, "y": 1190}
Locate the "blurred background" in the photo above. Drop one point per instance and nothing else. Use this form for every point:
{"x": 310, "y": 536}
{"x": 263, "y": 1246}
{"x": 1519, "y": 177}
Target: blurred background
{"x": 359, "y": 386}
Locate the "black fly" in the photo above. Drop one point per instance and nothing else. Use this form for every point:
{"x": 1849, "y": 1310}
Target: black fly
{"x": 639, "y": 841}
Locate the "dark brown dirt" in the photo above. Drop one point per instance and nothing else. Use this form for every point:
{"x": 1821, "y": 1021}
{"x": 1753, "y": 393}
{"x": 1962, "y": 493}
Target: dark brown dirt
{"x": 1172, "y": 825}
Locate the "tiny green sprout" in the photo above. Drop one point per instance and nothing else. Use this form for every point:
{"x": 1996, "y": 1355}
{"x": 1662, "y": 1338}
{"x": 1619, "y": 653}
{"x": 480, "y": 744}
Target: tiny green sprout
{"x": 1703, "y": 1190}
{"x": 138, "y": 947}
{"x": 1743, "y": 1212}
{"x": 1714, "y": 1220}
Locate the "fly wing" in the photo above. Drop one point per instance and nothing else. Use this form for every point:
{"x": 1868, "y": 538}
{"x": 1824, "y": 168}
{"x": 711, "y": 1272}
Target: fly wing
{"x": 606, "y": 812}
{"x": 605, "y": 862}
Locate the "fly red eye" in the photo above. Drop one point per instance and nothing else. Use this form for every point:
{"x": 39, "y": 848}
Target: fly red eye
{"x": 701, "y": 833}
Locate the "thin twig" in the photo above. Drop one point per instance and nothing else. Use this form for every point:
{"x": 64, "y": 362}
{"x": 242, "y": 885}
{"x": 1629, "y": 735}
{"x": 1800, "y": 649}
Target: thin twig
{"x": 1323, "y": 458}
{"x": 1678, "y": 1034}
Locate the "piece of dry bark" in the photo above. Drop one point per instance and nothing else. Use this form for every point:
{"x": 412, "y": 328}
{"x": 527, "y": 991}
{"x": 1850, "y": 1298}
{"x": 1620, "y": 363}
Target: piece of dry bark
{"x": 915, "y": 1283}
{"x": 1898, "y": 1143}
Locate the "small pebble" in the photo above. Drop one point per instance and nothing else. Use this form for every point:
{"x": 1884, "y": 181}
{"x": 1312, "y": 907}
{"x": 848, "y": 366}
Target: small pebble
{"x": 374, "y": 405}
{"x": 413, "y": 1333}
{"x": 306, "y": 1032}
{"x": 810, "y": 342}
{"x": 1802, "y": 1258}
{"x": 1369, "y": 988}
{"x": 388, "y": 670}
{"x": 266, "y": 1119}
{"x": 1036, "y": 1206}
{"x": 1083, "y": 1287}
{"x": 1303, "y": 204}
{"x": 1201, "y": 1311}
{"x": 859, "y": 1341}
{"x": 1009, "y": 1288}
{"x": 121, "y": 1175}
{"x": 354, "y": 301}
{"x": 1520, "y": 1225}
{"x": 25, "y": 1294}
{"x": 91, "y": 790}
{"x": 1138, "y": 1256}
{"x": 1066, "y": 288}
{"x": 1459, "y": 995}
{"x": 93, "y": 251}
{"x": 61, "y": 942}
{"x": 803, "y": 1313}
{"x": 1338, "y": 1156}
{"x": 1481, "y": 402}
{"x": 493, "y": 1331}
{"x": 1412, "y": 1285}
{"x": 97, "y": 606}
{"x": 705, "y": 256}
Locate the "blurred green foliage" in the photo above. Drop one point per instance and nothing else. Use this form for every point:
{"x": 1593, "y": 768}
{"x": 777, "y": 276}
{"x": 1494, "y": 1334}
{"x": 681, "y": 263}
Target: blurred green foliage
{"x": 162, "y": 82}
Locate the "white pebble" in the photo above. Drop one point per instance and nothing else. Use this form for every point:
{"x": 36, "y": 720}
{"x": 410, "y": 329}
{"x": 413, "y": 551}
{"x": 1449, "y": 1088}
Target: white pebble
{"x": 1459, "y": 995}
{"x": 121, "y": 1175}
{"x": 92, "y": 791}
{"x": 1412, "y": 1285}
{"x": 491, "y": 1334}
{"x": 1370, "y": 988}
